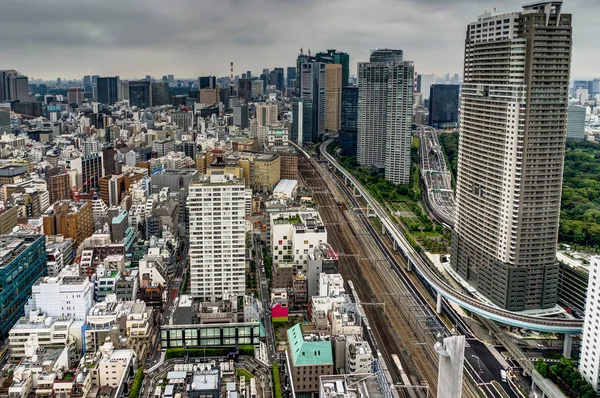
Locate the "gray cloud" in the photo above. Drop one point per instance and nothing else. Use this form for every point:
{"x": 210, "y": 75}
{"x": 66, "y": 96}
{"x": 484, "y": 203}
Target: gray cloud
{"x": 69, "y": 38}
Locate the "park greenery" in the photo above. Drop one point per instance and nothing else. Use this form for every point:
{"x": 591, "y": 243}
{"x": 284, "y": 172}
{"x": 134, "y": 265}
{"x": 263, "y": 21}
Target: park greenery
{"x": 567, "y": 377}
{"x": 580, "y": 207}
{"x": 137, "y": 383}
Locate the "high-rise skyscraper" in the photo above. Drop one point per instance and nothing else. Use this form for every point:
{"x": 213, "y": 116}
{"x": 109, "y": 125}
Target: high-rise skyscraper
{"x": 348, "y": 136}
{"x": 266, "y": 114}
{"x": 443, "y": 105}
{"x": 333, "y": 96}
{"x": 511, "y": 155}
{"x": 207, "y": 82}
{"x": 424, "y": 83}
{"x": 107, "y": 90}
{"x": 291, "y": 77}
{"x": 19, "y": 88}
{"x": 277, "y": 79}
{"x": 245, "y": 88}
{"x": 160, "y": 94}
{"x": 385, "y": 96}
{"x": 140, "y": 94}
{"x": 216, "y": 205}
{"x": 311, "y": 83}
{"x": 339, "y": 58}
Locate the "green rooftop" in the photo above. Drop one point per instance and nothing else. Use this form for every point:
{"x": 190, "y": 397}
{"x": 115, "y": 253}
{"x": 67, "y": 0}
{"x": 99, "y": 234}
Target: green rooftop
{"x": 306, "y": 353}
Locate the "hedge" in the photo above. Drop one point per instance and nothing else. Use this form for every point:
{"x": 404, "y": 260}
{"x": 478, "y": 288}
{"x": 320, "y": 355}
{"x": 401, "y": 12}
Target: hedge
{"x": 247, "y": 350}
{"x": 276, "y": 381}
{"x": 137, "y": 383}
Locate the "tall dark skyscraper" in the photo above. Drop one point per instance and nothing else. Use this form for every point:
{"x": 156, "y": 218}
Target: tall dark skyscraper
{"x": 160, "y": 93}
{"x": 140, "y": 93}
{"x": 107, "y": 90}
{"x": 207, "y": 82}
{"x": 302, "y": 121}
{"x": 511, "y": 155}
{"x": 277, "y": 79}
{"x": 245, "y": 88}
{"x": 291, "y": 77}
{"x": 348, "y": 137}
{"x": 311, "y": 83}
{"x": 336, "y": 57}
{"x": 443, "y": 105}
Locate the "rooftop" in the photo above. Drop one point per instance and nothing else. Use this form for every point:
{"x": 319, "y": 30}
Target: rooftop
{"x": 12, "y": 246}
{"x": 306, "y": 353}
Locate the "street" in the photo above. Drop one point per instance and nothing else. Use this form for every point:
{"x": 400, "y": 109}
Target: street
{"x": 265, "y": 298}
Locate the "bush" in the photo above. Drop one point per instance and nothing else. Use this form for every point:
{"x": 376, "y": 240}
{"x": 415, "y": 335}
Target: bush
{"x": 276, "y": 381}
{"x": 247, "y": 350}
{"x": 542, "y": 367}
{"x": 137, "y": 383}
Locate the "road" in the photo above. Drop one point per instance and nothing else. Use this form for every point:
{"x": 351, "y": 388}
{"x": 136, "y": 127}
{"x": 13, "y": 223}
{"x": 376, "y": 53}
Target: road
{"x": 265, "y": 298}
{"x": 173, "y": 290}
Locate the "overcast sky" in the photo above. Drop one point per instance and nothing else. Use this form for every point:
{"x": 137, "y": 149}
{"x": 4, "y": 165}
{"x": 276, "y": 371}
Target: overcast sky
{"x": 188, "y": 38}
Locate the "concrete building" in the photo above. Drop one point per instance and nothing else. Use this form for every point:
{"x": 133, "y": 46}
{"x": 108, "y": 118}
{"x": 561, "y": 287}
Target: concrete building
{"x": 385, "y": 90}
{"x": 45, "y": 332}
{"x": 277, "y": 138}
{"x": 266, "y": 115}
{"x": 59, "y": 185}
{"x": 295, "y": 234}
{"x": 163, "y": 147}
{"x": 506, "y": 228}
{"x": 70, "y": 219}
{"x": 240, "y": 116}
{"x": 183, "y": 120}
{"x": 589, "y": 363}
{"x": 310, "y": 359}
{"x": 333, "y": 97}
{"x": 285, "y": 189}
{"x": 288, "y": 165}
{"x": 8, "y": 219}
{"x": 210, "y": 96}
{"x": 23, "y": 262}
{"x": 75, "y": 96}
{"x": 450, "y": 370}
{"x": 59, "y": 253}
{"x": 576, "y": 122}
{"x": 216, "y": 209}
{"x": 70, "y": 296}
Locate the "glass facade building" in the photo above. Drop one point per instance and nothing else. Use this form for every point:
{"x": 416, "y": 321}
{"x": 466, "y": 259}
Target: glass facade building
{"x": 23, "y": 263}
{"x": 443, "y": 105}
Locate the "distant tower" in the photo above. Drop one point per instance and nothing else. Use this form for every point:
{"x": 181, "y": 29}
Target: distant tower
{"x": 231, "y": 80}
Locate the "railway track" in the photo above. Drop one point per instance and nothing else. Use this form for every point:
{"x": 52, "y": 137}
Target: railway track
{"x": 400, "y": 326}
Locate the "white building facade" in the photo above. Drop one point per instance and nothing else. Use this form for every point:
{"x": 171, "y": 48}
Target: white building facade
{"x": 216, "y": 205}
{"x": 589, "y": 364}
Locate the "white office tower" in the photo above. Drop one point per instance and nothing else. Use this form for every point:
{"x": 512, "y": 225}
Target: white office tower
{"x": 216, "y": 205}
{"x": 589, "y": 363}
{"x": 62, "y": 296}
{"x": 426, "y": 81}
{"x": 385, "y": 97}
{"x": 510, "y": 159}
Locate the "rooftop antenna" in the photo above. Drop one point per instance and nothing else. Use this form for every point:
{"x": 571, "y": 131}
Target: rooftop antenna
{"x": 301, "y": 51}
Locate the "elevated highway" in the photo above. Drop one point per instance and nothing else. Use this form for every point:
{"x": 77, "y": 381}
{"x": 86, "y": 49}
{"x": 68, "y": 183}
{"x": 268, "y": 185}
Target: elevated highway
{"x": 416, "y": 263}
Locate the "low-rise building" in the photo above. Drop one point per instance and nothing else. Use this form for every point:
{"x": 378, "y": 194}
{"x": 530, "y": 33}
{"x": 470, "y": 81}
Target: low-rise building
{"x": 310, "y": 359}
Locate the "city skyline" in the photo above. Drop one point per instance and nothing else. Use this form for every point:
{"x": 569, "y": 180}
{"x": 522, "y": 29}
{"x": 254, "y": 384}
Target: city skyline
{"x": 76, "y": 34}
